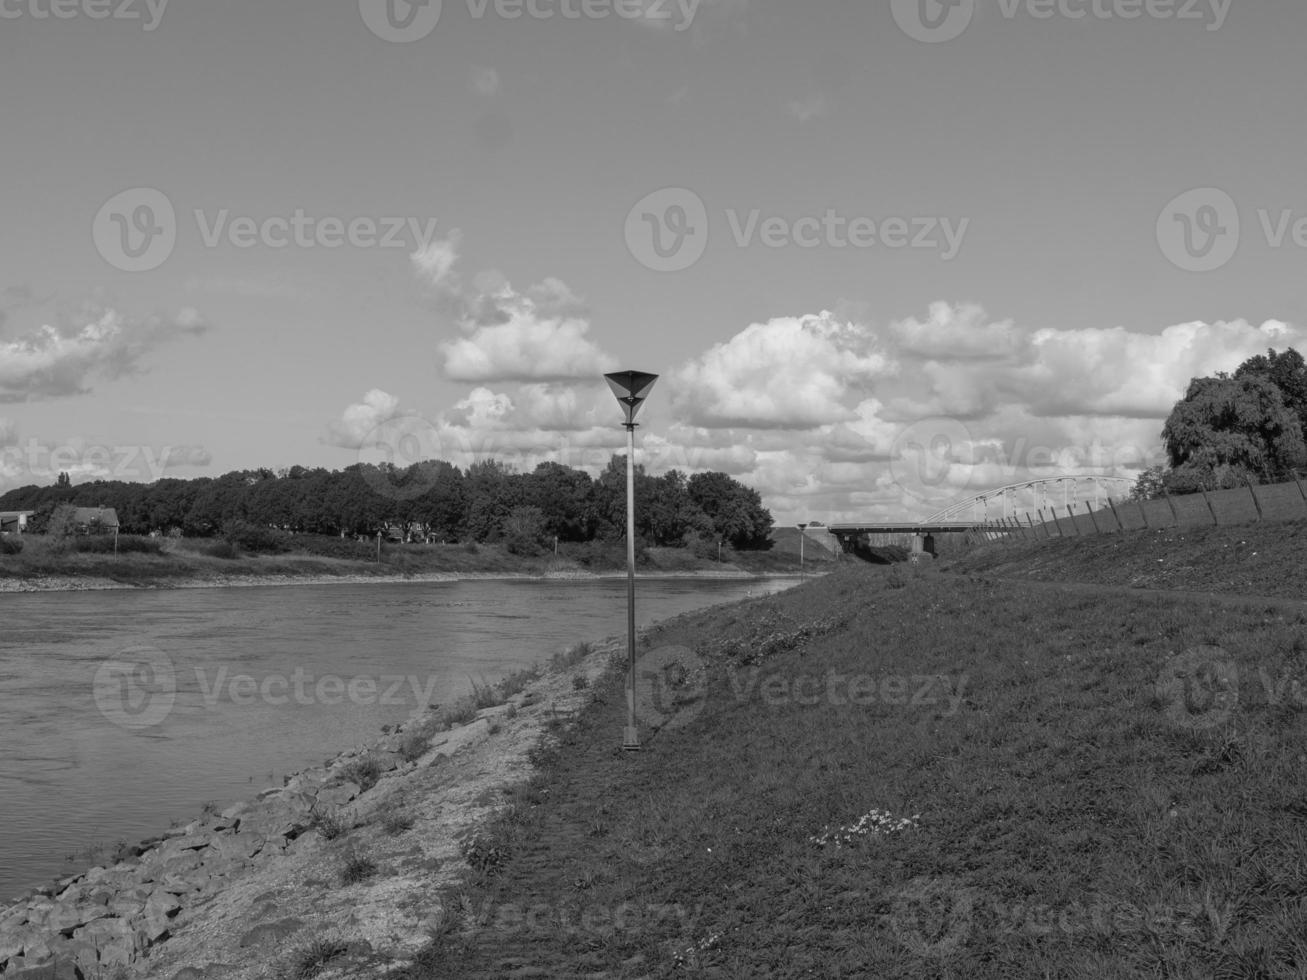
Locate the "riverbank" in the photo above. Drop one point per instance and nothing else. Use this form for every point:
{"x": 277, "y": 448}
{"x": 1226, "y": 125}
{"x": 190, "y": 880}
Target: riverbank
{"x": 231, "y": 891}
{"x": 180, "y": 566}
{"x": 92, "y": 584}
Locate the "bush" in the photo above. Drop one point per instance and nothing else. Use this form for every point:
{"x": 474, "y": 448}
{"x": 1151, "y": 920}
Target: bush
{"x": 219, "y": 549}
{"x": 256, "y": 539}
{"x": 103, "y": 544}
{"x": 10, "y": 545}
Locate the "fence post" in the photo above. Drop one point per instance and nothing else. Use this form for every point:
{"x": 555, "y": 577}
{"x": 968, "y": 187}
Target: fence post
{"x": 1119, "y": 523}
{"x": 1071, "y": 514}
{"x": 1090, "y": 511}
{"x": 1174, "y": 516}
{"x": 1056, "y": 523}
{"x": 1143, "y": 511}
{"x": 1210, "y": 508}
{"x": 1252, "y": 490}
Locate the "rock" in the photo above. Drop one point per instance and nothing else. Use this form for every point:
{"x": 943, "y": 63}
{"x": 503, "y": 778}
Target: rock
{"x": 269, "y": 932}
{"x": 338, "y": 795}
{"x": 66, "y": 918}
{"x": 113, "y": 939}
{"x": 156, "y": 919}
{"x": 28, "y": 970}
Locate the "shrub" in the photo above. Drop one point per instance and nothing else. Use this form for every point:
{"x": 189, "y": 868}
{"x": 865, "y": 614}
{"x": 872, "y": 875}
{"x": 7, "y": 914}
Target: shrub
{"x": 364, "y": 772}
{"x": 10, "y": 545}
{"x": 471, "y": 547}
{"x": 329, "y": 824}
{"x": 486, "y": 855}
{"x": 255, "y": 538}
{"x": 219, "y": 549}
{"x": 580, "y": 682}
{"x": 102, "y": 544}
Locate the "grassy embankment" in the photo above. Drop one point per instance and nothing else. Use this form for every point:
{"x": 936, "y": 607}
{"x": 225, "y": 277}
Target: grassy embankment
{"x": 1056, "y": 798}
{"x": 146, "y": 561}
{"x": 1250, "y": 559}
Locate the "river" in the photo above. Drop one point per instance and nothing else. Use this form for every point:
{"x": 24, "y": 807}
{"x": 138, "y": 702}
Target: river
{"x": 122, "y": 711}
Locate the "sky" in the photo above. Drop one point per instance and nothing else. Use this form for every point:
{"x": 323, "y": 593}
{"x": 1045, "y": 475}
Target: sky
{"x": 882, "y": 255}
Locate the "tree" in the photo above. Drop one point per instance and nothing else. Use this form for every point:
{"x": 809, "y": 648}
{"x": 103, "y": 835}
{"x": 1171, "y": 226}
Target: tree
{"x": 1286, "y": 371}
{"x": 735, "y": 511}
{"x": 1227, "y": 429}
{"x": 1150, "y": 485}
{"x": 64, "y": 481}
{"x": 523, "y": 530}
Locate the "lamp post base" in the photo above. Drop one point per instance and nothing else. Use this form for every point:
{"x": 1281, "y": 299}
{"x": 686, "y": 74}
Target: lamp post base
{"x": 630, "y": 740}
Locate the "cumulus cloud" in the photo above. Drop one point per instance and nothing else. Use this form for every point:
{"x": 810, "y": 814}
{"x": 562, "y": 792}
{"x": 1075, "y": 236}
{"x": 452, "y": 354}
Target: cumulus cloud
{"x": 63, "y": 360}
{"x": 540, "y": 335}
{"x": 362, "y": 419}
{"x": 789, "y": 373}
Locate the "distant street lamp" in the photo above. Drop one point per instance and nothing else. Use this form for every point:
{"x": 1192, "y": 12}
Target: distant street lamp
{"x": 631, "y": 389}
{"x": 802, "y": 534}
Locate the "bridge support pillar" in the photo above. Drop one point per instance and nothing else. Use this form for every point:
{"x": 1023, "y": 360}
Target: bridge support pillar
{"x": 922, "y": 548}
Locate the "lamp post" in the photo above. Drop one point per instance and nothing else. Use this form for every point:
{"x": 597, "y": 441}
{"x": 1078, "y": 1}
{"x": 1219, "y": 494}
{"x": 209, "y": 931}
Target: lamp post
{"x": 631, "y": 389}
{"x": 803, "y": 528}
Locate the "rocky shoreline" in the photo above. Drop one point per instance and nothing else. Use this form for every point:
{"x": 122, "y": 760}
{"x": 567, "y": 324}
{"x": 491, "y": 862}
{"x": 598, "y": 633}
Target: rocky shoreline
{"x": 358, "y": 864}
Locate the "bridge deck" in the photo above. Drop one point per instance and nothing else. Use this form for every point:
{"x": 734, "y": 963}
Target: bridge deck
{"x": 937, "y": 527}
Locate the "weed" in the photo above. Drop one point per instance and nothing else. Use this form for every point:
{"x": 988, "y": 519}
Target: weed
{"x": 356, "y": 869}
{"x": 396, "y": 822}
{"x": 580, "y": 682}
{"x": 329, "y": 824}
{"x": 312, "y": 958}
{"x": 364, "y": 773}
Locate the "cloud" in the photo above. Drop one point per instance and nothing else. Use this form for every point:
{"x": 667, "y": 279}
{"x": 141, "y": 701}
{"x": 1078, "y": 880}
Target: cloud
{"x": 537, "y": 336}
{"x": 362, "y": 419}
{"x": 58, "y": 361}
{"x": 182, "y": 457}
{"x": 789, "y": 373}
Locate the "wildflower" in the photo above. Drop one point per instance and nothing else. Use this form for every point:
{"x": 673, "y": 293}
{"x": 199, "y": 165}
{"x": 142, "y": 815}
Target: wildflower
{"x": 876, "y": 822}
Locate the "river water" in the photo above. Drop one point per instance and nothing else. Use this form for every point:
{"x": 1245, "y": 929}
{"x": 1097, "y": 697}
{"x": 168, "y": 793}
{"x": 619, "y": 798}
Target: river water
{"x": 122, "y": 711}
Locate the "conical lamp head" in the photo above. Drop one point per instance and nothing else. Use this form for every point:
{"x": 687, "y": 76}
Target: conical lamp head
{"x": 631, "y": 389}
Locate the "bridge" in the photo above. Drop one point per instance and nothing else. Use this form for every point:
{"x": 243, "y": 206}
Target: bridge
{"x": 989, "y": 513}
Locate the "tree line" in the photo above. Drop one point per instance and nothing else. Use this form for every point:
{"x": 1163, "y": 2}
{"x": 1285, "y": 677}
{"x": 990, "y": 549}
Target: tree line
{"x": 431, "y": 501}
{"x": 1234, "y": 428}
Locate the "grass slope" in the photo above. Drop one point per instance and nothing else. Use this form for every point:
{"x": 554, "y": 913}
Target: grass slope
{"x": 1022, "y": 784}
{"x": 1251, "y": 559}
